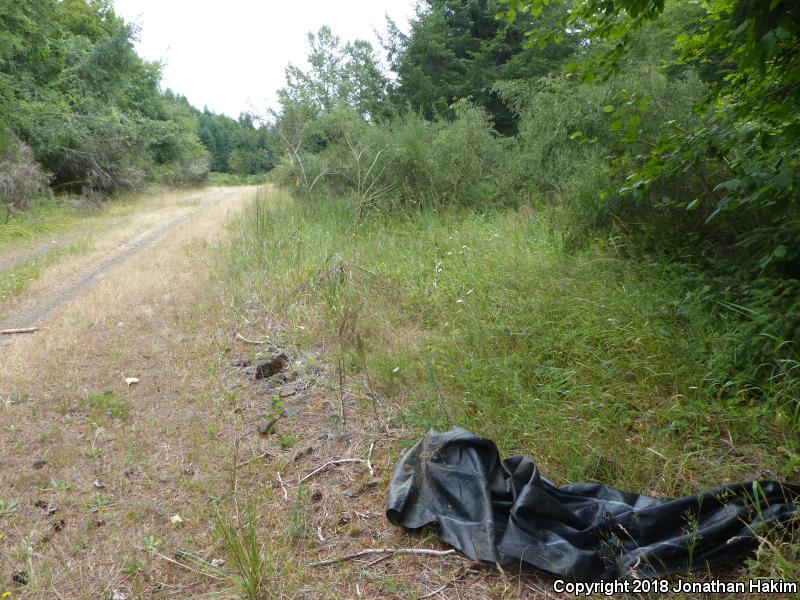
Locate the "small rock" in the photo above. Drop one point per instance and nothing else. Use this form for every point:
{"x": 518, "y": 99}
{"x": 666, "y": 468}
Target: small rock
{"x": 289, "y": 390}
{"x": 176, "y": 519}
{"x": 372, "y": 483}
{"x": 217, "y": 562}
{"x": 98, "y": 484}
{"x": 244, "y": 363}
{"x": 39, "y": 463}
{"x": 266, "y": 427}
{"x": 21, "y": 578}
{"x": 131, "y": 380}
{"x": 293, "y": 410}
{"x": 188, "y": 470}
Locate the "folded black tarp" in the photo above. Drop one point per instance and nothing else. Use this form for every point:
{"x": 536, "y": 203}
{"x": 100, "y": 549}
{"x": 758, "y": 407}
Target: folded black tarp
{"x": 507, "y": 512}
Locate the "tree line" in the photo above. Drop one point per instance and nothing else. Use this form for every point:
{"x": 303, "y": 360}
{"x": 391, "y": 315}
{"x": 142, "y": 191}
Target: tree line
{"x": 80, "y": 111}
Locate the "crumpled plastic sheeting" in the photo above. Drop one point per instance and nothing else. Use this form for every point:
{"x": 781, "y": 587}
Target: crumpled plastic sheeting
{"x": 506, "y": 512}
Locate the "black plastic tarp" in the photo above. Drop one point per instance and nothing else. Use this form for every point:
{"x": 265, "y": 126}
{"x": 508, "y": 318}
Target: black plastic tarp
{"x": 506, "y": 511}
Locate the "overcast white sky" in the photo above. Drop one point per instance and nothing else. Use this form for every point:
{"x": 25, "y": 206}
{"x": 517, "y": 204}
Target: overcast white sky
{"x": 230, "y": 55}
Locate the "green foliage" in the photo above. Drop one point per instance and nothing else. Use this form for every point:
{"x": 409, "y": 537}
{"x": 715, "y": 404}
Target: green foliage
{"x": 339, "y": 75}
{"x": 237, "y": 146}
{"x": 73, "y": 89}
{"x": 457, "y": 49}
{"x": 450, "y": 163}
{"x": 257, "y": 570}
{"x": 481, "y": 320}
{"x": 746, "y": 142}
{"x": 109, "y": 404}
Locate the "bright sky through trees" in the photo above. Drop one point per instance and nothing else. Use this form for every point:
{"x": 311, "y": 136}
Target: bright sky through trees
{"x": 230, "y": 56}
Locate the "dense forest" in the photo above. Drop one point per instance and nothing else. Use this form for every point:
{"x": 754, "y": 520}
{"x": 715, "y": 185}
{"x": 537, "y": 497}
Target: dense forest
{"x": 81, "y": 112}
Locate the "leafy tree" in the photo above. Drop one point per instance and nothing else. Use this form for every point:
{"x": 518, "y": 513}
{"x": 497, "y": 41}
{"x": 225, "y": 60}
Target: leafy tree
{"x": 224, "y": 137}
{"x": 73, "y": 89}
{"x": 749, "y": 130}
{"x": 339, "y": 75}
{"x": 458, "y": 49}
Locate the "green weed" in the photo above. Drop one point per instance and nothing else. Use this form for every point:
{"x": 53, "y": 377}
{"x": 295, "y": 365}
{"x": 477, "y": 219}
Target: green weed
{"x": 257, "y": 568}
{"x": 7, "y": 507}
{"x": 301, "y": 515}
{"x": 109, "y": 404}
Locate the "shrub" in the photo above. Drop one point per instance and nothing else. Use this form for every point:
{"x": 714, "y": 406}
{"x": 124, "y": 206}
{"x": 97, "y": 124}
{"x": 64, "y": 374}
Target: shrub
{"x": 21, "y": 177}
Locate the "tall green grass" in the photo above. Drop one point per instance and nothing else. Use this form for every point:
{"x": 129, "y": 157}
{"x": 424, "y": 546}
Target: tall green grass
{"x": 601, "y": 369}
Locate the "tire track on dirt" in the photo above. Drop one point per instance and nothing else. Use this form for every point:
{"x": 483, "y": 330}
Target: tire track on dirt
{"x": 43, "y": 308}
{"x": 16, "y": 258}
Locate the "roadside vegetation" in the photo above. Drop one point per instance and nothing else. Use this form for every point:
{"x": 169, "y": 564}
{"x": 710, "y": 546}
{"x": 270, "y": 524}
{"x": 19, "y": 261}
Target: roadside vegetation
{"x": 561, "y": 169}
{"x": 583, "y": 247}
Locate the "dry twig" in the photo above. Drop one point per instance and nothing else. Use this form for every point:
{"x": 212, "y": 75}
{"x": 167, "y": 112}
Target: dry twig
{"x": 19, "y": 330}
{"x": 434, "y": 592}
{"x": 390, "y": 551}
{"x": 280, "y": 481}
{"x": 240, "y": 337}
{"x": 332, "y": 463}
{"x": 369, "y": 459}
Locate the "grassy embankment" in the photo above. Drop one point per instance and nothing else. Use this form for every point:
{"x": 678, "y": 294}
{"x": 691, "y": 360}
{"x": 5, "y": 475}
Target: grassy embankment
{"x": 29, "y": 228}
{"x": 600, "y": 369}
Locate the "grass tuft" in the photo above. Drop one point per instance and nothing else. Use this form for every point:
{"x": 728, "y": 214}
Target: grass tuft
{"x": 257, "y": 570}
{"x": 108, "y": 403}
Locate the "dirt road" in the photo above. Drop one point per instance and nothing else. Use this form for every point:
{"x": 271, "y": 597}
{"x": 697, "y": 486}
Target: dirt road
{"x": 69, "y": 282}
{"x": 74, "y": 437}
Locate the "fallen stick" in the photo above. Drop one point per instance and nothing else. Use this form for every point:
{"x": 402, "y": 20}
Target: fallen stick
{"x": 283, "y": 487}
{"x": 16, "y": 331}
{"x": 239, "y": 336}
{"x": 388, "y": 551}
{"x": 369, "y": 459}
{"x": 434, "y": 592}
{"x": 341, "y": 461}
